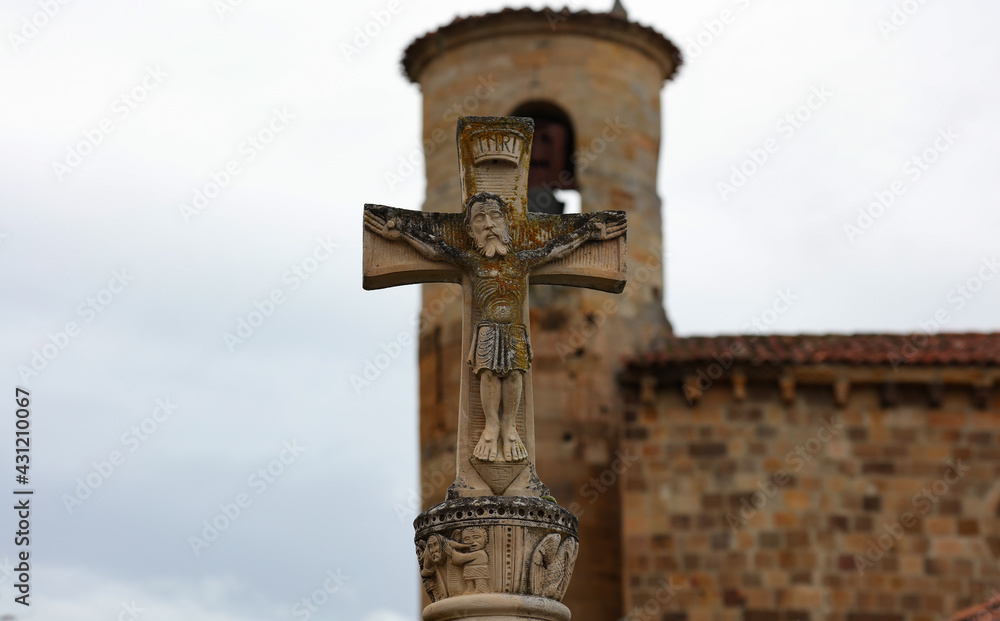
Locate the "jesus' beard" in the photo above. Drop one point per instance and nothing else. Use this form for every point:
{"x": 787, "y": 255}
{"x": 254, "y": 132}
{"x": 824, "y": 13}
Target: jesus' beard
{"x": 491, "y": 246}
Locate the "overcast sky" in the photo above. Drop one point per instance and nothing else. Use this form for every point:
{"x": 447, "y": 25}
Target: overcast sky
{"x": 120, "y": 284}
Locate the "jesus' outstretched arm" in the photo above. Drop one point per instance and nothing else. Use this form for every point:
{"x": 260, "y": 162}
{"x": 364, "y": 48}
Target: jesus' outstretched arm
{"x": 605, "y": 225}
{"x": 427, "y": 244}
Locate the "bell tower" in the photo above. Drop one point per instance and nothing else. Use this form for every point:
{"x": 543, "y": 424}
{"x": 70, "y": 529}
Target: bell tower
{"x": 592, "y": 83}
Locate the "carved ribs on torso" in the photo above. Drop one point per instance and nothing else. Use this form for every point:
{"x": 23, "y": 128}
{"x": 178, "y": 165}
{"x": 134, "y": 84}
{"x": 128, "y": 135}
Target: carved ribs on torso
{"x": 499, "y": 286}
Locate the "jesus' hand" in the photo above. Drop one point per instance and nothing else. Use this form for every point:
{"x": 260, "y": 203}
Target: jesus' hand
{"x": 606, "y": 225}
{"x": 387, "y": 228}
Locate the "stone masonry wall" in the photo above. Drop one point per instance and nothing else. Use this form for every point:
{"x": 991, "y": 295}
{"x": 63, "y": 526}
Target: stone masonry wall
{"x": 765, "y": 511}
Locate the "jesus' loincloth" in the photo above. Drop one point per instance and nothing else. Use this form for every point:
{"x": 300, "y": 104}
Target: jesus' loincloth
{"x": 500, "y": 347}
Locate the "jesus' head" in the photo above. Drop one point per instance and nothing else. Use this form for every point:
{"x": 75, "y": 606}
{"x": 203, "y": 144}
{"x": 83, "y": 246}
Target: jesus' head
{"x": 486, "y": 221}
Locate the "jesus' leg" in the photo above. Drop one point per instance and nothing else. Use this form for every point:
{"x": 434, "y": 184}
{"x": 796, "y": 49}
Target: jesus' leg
{"x": 510, "y": 389}
{"x": 489, "y": 394}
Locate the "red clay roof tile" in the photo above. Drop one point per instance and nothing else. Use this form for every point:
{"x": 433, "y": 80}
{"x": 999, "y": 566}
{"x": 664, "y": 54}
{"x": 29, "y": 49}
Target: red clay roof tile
{"x": 987, "y": 611}
{"x": 913, "y": 349}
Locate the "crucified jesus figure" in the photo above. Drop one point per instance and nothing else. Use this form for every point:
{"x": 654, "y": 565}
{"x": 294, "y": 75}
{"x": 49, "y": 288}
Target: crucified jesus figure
{"x": 500, "y": 353}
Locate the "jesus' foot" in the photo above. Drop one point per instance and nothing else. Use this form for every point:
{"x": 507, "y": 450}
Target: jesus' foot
{"x": 486, "y": 450}
{"x": 513, "y": 448}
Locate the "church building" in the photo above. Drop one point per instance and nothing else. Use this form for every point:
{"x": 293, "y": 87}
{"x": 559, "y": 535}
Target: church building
{"x": 733, "y": 478}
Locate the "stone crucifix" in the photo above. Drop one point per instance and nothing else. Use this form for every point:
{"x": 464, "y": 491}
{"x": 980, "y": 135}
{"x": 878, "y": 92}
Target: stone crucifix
{"x": 494, "y": 248}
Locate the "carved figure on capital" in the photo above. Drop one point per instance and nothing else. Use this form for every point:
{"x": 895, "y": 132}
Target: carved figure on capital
{"x": 433, "y": 567}
{"x": 471, "y": 556}
{"x": 552, "y": 566}
{"x": 457, "y": 566}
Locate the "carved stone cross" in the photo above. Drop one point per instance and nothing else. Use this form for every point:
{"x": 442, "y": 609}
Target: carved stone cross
{"x": 494, "y": 248}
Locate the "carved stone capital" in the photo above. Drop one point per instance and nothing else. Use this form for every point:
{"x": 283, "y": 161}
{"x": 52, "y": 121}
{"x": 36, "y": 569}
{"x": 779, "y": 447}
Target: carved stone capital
{"x": 489, "y": 545}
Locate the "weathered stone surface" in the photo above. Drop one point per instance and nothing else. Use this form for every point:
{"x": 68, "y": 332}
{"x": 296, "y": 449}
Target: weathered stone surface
{"x": 494, "y": 249}
{"x": 495, "y": 534}
{"x": 813, "y": 518}
{"x": 496, "y": 544}
{"x": 497, "y": 607}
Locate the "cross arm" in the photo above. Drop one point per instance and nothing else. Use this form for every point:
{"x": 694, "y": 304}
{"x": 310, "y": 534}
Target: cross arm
{"x": 600, "y": 226}
{"x": 599, "y": 264}
{"x": 417, "y": 248}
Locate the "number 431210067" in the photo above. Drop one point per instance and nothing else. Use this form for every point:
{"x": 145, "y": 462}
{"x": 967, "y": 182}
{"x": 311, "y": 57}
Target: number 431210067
{"x": 23, "y": 442}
